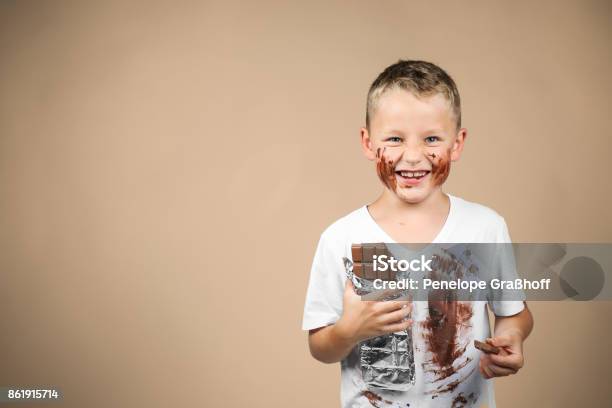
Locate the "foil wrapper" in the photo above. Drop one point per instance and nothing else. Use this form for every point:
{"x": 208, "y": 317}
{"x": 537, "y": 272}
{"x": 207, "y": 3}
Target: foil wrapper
{"x": 386, "y": 362}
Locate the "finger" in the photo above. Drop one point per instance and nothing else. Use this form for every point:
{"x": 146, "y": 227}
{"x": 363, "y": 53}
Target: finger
{"x": 481, "y": 369}
{"x": 392, "y": 305}
{"x": 487, "y": 371}
{"x": 512, "y": 361}
{"x": 397, "y": 327}
{"x": 378, "y": 295}
{"x": 396, "y": 316}
{"x": 500, "y": 341}
{"x": 501, "y": 371}
{"x": 485, "y": 359}
{"x": 382, "y": 294}
{"x": 504, "y": 351}
{"x": 482, "y": 373}
{"x": 403, "y": 296}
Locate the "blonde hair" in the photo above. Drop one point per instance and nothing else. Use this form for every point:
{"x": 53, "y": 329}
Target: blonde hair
{"x": 421, "y": 78}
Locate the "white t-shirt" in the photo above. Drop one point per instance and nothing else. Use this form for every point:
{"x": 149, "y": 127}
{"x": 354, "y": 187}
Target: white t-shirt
{"x": 467, "y": 222}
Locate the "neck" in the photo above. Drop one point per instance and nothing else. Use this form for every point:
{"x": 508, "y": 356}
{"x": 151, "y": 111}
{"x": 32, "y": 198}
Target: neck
{"x": 390, "y": 203}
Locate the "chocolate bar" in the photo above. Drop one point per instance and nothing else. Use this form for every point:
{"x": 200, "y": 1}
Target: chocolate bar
{"x": 363, "y": 261}
{"x": 486, "y": 347}
{"x": 386, "y": 362}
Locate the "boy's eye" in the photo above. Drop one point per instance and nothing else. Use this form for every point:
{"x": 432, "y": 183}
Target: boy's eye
{"x": 432, "y": 139}
{"x": 394, "y": 139}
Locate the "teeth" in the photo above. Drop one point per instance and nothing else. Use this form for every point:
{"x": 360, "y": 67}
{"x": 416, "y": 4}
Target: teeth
{"x": 412, "y": 174}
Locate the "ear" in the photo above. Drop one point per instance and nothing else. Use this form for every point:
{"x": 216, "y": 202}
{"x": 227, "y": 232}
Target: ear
{"x": 458, "y": 144}
{"x": 366, "y": 144}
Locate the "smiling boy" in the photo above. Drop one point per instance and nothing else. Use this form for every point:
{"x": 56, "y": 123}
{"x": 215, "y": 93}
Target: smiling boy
{"x": 413, "y": 133}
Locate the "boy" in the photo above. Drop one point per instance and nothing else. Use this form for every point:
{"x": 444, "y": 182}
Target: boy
{"x": 413, "y": 132}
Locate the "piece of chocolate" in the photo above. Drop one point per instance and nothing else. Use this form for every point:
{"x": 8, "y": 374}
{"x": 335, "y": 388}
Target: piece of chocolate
{"x": 358, "y": 270}
{"x": 486, "y": 347}
{"x": 381, "y": 249}
{"x": 357, "y": 253}
{"x": 369, "y": 250}
{"x": 369, "y": 271}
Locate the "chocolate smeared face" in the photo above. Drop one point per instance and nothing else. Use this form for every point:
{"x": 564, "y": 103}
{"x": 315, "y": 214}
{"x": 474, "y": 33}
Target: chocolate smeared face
{"x": 412, "y": 183}
{"x": 440, "y": 167}
{"x": 385, "y": 168}
{"x": 413, "y": 137}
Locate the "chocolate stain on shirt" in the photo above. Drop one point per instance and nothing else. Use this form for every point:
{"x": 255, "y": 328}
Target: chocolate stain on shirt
{"x": 444, "y": 321}
{"x": 374, "y": 398}
{"x": 447, "y": 265}
{"x": 447, "y": 325}
{"x": 461, "y": 401}
{"x": 450, "y": 387}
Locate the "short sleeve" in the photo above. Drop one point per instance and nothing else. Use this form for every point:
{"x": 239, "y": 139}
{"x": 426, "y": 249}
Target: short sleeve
{"x": 323, "y": 304}
{"x": 507, "y": 269}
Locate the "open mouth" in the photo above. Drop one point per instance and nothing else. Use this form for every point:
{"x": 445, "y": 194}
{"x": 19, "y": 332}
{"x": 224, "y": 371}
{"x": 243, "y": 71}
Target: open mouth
{"x": 412, "y": 175}
{"x": 411, "y": 178}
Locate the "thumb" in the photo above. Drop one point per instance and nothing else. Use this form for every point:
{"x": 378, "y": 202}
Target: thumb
{"x": 349, "y": 286}
{"x": 349, "y": 290}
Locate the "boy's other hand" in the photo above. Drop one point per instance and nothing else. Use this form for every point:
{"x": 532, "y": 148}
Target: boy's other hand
{"x": 364, "y": 319}
{"x": 508, "y": 361}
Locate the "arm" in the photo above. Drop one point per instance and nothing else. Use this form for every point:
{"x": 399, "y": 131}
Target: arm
{"x": 328, "y": 345}
{"x": 360, "y": 320}
{"x": 509, "y": 333}
{"x": 520, "y": 324}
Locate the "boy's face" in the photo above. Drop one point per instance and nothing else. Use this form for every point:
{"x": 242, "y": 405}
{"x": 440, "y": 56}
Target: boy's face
{"x": 413, "y": 141}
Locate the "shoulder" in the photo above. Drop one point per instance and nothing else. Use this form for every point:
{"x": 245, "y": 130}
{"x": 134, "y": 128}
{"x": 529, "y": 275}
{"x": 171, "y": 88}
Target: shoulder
{"x": 480, "y": 216}
{"x": 335, "y": 240}
{"x": 477, "y": 211}
{"x": 344, "y": 226}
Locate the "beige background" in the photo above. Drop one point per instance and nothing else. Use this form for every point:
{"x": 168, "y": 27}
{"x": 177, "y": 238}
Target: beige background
{"x": 166, "y": 169}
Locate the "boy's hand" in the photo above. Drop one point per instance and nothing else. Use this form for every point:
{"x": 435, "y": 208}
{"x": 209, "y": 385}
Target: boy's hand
{"x": 363, "y": 319}
{"x": 508, "y": 361}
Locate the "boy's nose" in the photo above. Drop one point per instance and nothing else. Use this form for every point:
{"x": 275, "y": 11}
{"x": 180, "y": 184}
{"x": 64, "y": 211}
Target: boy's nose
{"x": 412, "y": 162}
{"x": 412, "y": 156}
